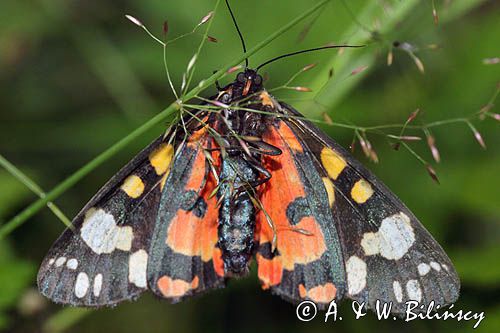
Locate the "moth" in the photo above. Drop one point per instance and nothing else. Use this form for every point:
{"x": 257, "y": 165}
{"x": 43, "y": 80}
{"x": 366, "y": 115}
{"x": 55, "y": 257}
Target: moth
{"x": 251, "y": 178}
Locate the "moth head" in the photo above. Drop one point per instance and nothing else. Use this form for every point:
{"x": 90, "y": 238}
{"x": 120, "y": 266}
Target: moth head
{"x": 249, "y": 81}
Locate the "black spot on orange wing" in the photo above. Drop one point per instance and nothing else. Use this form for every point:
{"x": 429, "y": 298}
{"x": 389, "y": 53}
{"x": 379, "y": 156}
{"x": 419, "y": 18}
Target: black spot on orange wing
{"x": 297, "y": 210}
{"x": 192, "y": 201}
{"x": 307, "y": 262}
{"x": 184, "y": 257}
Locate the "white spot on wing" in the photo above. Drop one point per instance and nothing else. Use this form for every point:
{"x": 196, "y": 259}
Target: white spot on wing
{"x": 435, "y": 266}
{"x": 392, "y": 240}
{"x": 100, "y": 232}
{"x": 413, "y": 290}
{"x": 137, "y": 265}
{"x": 124, "y": 239}
{"x": 72, "y": 264}
{"x": 356, "y": 275}
{"x": 51, "y": 261}
{"x": 423, "y": 269}
{"x": 81, "y": 285}
{"x": 60, "y": 261}
{"x": 97, "y": 285}
{"x": 370, "y": 243}
{"x": 398, "y": 291}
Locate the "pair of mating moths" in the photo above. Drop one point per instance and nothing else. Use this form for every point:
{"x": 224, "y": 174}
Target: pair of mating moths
{"x": 253, "y": 179}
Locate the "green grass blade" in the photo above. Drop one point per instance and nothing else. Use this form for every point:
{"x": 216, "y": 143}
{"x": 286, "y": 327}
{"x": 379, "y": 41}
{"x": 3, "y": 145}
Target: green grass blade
{"x": 29, "y": 183}
{"x": 62, "y": 187}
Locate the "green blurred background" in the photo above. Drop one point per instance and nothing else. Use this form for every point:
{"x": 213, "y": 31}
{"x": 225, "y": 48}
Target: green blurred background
{"x": 76, "y": 76}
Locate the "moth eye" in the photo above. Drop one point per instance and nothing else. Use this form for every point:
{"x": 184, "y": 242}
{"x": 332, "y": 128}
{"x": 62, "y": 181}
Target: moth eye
{"x": 225, "y": 98}
{"x": 258, "y": 80}
{"x": 241, "y": 77}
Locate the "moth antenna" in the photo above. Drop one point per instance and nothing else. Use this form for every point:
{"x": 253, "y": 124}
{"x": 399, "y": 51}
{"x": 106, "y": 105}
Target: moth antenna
{"x": 303, "y": 51}
{"x": 239, "y": 32}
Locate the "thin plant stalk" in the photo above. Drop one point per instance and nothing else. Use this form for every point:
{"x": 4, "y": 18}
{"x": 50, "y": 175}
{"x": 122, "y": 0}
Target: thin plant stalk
{"x": 69, "y": 182}
{"x": 29, "y": 183}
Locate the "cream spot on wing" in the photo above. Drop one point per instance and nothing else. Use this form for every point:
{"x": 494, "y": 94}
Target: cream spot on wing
{"x": 392, "y": 240}
{"x": 445, "y": 267}
{"x": 72, "y": 264}
{"x": 423, "y": 269}
{"x": 370, "y": 243}
{"x": 137, "y": 266}
{"x": 435, "y": 266}
{"x": 356, "y": 275}
{"x": 160, "y": 158}
{"x": 133, "y": 186}
{"x": 332, "y": 162}
{"x": 51, "y": 261}
{"x": 81, "y": 285}
{"x": 398, "y": 291}
{"x": 329, "y": 190}
{"x": 124, "y": 239}
{"x": 413, "y": 290}
{"x": 97, "y": 285}
{"x": 396, "y": 236}
{"x": 100, "y": 232}
{"x": 60, "y": 261}
{"x": 361, "y": 191}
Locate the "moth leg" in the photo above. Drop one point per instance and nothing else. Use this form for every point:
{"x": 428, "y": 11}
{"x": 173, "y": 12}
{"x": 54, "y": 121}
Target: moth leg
{"x": 249, "y": 186}
{"x": 209, "y": 159}
{"x": 269, "y": 149}
{"x": 269, "y": 221}
{"x": 264, "y": 148}
{"x": 209, "y": 166}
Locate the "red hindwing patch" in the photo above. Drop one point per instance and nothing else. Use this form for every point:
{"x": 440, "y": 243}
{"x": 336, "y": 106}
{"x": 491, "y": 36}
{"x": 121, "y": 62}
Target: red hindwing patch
{"x": 301, "y": 243}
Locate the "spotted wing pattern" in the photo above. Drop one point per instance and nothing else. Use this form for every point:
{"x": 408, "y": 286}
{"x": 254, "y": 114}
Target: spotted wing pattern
{"x": 184, "y": 257}
{"x": 326, "y": 227}
{"x": 307, "y": 259}
{"x": 104, "y": 258}
{"x": 385, "y": 253}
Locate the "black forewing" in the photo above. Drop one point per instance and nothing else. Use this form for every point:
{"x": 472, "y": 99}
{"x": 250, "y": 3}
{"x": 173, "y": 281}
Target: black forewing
{"x": 185, "y": 260}
{"x": 398, "y": 267}
{"x": 103, "y": 259}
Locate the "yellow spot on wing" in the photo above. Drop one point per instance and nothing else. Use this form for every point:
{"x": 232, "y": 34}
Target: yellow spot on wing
{"x": 160, "y": 158}
{"x": 361, "y": 191}
{"x": 332, "y": 162}
{"x": 329, "y": 190}
{"x": 133, "y": 186}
